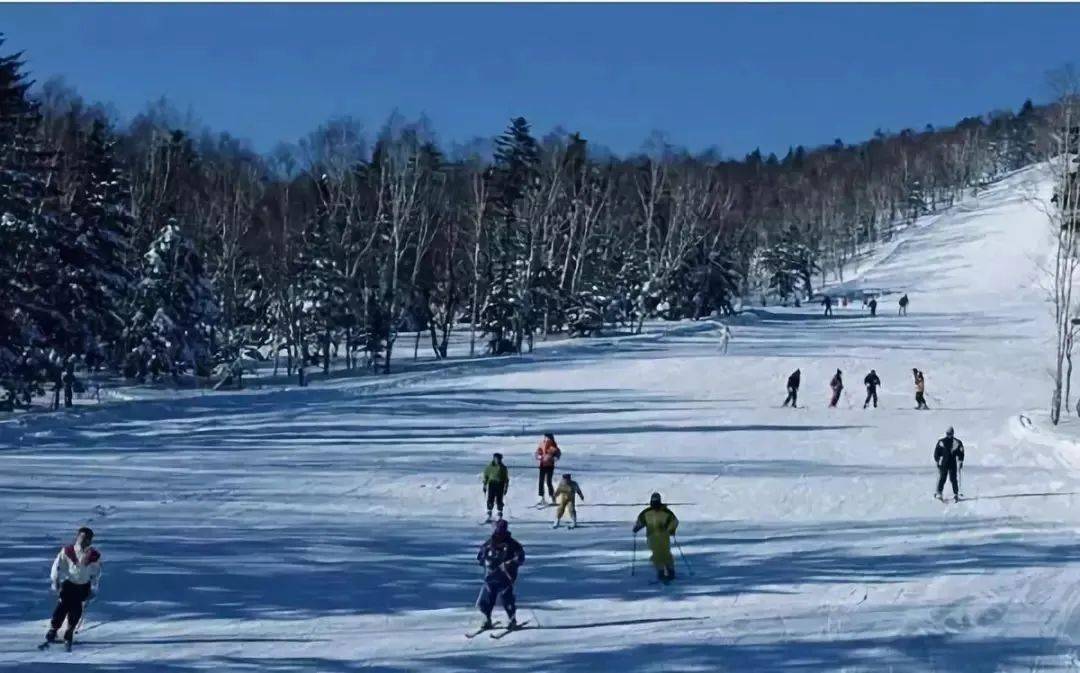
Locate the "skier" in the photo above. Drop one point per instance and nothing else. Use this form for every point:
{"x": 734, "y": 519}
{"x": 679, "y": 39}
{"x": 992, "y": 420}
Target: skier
{"x": 69, "y": 381}
{"x": 496, "y": 484}
{"x": 547, "y": 453}
{"x": 725, "y": 337}
{"x": 75, "y": 575}
{"x": 500, "y": 555}
{"x": 903, "y": 305}
{"x": 793, "y": 389}
{"x": 872, "y": 382}
{"x": 660, "y": 523}
{"x": 827, "y": 303}
{"x": 920, "y": 389}
{"x": 949, "y": 456}
{"x": 873, "y": 307}
{"x": 837, "y": 385}
{"x": 567, "y": 494}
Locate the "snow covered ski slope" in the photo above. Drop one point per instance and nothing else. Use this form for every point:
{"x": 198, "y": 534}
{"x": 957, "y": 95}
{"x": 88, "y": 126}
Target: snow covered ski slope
{"x": 335, "y": 528}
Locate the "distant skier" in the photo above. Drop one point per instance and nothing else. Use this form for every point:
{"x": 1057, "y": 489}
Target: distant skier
{"x": 566, "y": 494}
{"x": 920, "y": 389}
{"x": 547, "y": 454}
{"x": 725, "y": 337}
{"x": 873, "y": 307}
{"x": 660, "y": 523}
{"x": 827, "y": 303}
{"x": 837, "y": 385}
{"x": 903, "y": 305}
{"x": 496, "y": 484}
{"x": 949, "y": 456}
{"x": 501, "y": 556}
{"x": 75, "y": 576}
{"x": 871, "y": 382}
{"x": 793, "y": 389}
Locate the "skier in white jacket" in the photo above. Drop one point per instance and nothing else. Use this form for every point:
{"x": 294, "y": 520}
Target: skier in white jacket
{"x": 76, "y": 574}
{"x": 725, "y": 337}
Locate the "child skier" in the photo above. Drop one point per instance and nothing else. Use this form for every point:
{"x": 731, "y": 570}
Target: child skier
{"x": 660, "y": 523}
{"x": 793, "y": 389}
{"x": 725, "y": 337}
{"x": 501, "y": 555}
{"x": 949, "y": 456}
{"x": 837, "y": 385}
{"x": 75, "y": 575}
{"x": 566, "y": 494}
{"x": 871, "y": 382}
{"x": 496, "y": 484}
{"x": 920, "y": 389}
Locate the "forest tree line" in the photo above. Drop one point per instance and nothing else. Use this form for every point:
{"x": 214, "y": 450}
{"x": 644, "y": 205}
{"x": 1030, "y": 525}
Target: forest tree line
{"x": 154, "y": 249}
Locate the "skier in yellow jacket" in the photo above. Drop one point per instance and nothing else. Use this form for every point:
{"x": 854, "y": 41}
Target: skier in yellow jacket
{"x": 566, "y": 494}
{"x": 660, "y": 523}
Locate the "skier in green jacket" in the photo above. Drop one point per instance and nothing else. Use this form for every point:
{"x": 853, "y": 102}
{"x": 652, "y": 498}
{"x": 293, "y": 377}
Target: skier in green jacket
{"x": 496, "y": 484}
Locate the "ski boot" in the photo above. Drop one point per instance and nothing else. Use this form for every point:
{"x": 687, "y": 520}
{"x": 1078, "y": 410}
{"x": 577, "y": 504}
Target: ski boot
{"x": 488, "y": 519}
{"x": 573, "y": 524}
{"x": 50, "y": 636}
{"x": 556, "y": 524}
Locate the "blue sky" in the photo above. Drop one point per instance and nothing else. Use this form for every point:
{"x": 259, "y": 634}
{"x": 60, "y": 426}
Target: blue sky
{"x": 732, "y": 77}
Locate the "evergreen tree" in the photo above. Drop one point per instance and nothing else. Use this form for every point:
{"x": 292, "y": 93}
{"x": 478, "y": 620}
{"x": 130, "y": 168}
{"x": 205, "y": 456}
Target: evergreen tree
{"x": 174, "y": 308}
{"x": 28, "y": 237}
{"x": 101, "y": 228}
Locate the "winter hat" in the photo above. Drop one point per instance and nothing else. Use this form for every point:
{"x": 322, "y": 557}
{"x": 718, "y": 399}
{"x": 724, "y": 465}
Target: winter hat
{"x": 566, "y": 475}
{"x": 654, "y": 499}
{"x": 89, "y": 533}
{"x": 497, "y": 456}
{"x": 949, "y": 432}
{"x": 501, "y": 527}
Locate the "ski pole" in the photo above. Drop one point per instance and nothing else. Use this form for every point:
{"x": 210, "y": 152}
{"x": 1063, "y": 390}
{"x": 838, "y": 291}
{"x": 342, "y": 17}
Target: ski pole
{"x": 633, "y": 557}
{"x": 678, "y": 546}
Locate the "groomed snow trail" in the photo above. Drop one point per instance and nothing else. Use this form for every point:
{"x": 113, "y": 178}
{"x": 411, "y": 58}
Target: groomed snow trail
{"x": 335, "y": 528}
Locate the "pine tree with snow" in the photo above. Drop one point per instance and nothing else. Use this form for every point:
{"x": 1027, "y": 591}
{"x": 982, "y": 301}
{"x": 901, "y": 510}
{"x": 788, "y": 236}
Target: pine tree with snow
{"x": 174, "y": 307}
{"x": 101, "y": 228}
{"x": 29, "y": 235}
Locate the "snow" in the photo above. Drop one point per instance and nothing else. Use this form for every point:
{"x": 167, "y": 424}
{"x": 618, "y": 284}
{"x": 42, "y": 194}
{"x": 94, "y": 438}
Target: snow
{"x": 334, "y": 528}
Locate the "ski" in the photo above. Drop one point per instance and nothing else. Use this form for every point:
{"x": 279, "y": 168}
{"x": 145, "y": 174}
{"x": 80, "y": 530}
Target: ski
{"x": 473, "y": 634}
{"x": 44, "y": 645}
{"x": 507, "y": 631}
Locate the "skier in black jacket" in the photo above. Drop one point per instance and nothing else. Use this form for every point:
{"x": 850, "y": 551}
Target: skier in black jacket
{"x": 949, "y": 456}
{"x": 793, "y": 389}
{"x": 871, "y": 382}
{"x": 501, "y": 556}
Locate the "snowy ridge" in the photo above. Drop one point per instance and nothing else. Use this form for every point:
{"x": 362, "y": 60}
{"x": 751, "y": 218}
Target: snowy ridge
{"x": 335, "y": 528}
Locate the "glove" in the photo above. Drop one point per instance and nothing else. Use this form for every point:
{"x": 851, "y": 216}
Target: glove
{"x": 56, "y": 587}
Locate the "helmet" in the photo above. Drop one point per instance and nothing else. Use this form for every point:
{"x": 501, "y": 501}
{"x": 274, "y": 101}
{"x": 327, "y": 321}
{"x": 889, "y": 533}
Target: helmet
{"x": 949, "y": 432}
{"x": 566, "y": 476}
{"x": 501, "y": 527}
{"x": 654, "y": 499}
{"x": 497, "y": 456}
